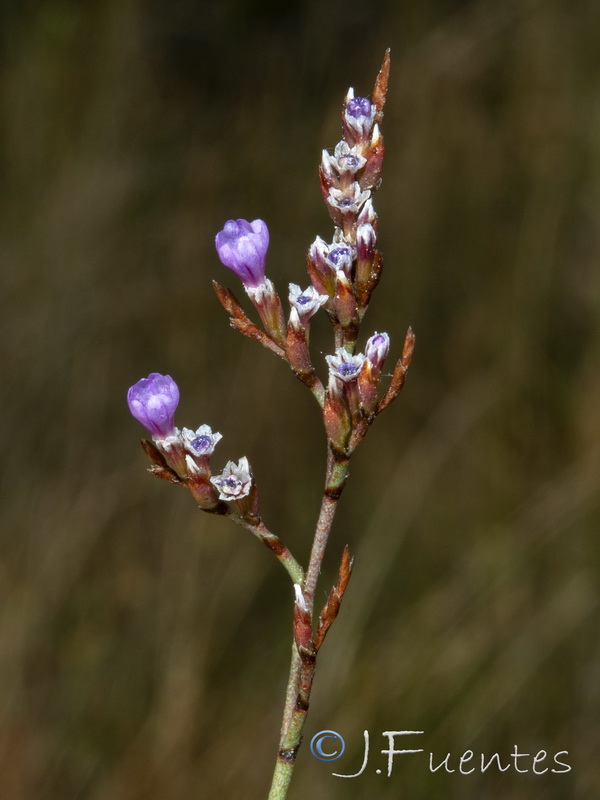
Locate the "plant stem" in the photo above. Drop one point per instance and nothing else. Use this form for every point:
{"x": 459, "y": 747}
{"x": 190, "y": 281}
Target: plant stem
{"x": 275, "y": 544}
{"x": 302, "y": 668}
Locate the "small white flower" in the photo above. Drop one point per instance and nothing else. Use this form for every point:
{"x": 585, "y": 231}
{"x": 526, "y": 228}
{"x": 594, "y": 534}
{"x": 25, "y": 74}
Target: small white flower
{"x": 350, "y": 200}
{"x": 344, "y": 366}
{"x": 345, "y": 160}
{"x": 201, "y": 442}
{"x": 235, "y": 481}
{"x": 307, "y": 302}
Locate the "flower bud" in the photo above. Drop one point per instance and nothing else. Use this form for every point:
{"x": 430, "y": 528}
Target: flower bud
{"x": 153, "y": 401}
{"x": 345, "y": 301}
{"x": 242, "y": 247}
{"x": 268, "y": 304}
{"x": 377, "y": 348}
{"x": 376, "y": 351}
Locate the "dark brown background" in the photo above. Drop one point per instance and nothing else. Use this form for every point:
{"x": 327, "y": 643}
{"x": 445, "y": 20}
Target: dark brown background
{"x": 143, "y": 646}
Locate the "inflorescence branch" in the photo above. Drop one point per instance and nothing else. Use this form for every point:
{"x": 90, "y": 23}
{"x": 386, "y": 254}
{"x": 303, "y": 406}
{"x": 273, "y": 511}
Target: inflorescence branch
{"x": 343, "y": 274}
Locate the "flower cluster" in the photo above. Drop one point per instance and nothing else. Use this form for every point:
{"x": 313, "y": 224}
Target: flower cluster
{"x": 343, "y": 274}
{"x": 184, "y": 455}
{"x": 349, "y": 268}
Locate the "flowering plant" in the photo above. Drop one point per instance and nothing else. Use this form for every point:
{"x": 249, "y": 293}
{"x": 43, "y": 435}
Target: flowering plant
{"x": 343, "y": 276}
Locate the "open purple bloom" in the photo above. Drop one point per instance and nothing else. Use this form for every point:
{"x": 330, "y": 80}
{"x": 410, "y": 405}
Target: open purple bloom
{"x": 242, "y": 246}
{"x": 152, "y": 401}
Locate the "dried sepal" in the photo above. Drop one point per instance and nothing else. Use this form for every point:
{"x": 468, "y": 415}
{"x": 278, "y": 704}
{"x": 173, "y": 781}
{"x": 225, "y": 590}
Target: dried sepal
{"x": 332, "y": 606}
{"x": 399, "y": 375}
{"x": 336, "y": 416}
{"x": 325, "y": 182}
{"x": 154, "y": 454}
{"x": 240, "y": 321}
{"x": 160, "y": 468}
{"x": 371, "y": 175}
{"x": 381, "y": 86}
{"x": 365, "y": 290}
{"x": 298, "y": 356}
{"x": 165, "y": 474}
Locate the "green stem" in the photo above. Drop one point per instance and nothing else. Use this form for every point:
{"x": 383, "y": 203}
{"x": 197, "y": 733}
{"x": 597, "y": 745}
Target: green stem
{"x": 274, "y": 543}
{"x": 302, "y": 668}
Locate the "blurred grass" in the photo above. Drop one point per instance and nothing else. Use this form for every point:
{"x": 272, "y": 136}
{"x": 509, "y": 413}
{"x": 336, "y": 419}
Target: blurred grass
{"x": 143, "y": 647}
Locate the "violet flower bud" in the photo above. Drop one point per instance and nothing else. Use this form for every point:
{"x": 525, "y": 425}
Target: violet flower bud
{"x": 366, "y": 239}
{"x": 242, "y": 246}
{"x": 235, "y": 481}
{"x": 377, "y": 348}
{"x": 152, "y": 401}
{"x": 367, "y": 214}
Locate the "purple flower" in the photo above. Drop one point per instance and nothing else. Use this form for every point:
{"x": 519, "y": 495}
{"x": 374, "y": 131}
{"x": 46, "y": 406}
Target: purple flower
{"x": 153, "y": 401}
{"x": 242, "y": 246}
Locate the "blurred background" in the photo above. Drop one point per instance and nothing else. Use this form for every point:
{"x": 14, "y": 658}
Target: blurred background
{"x": 143, "y": 645}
